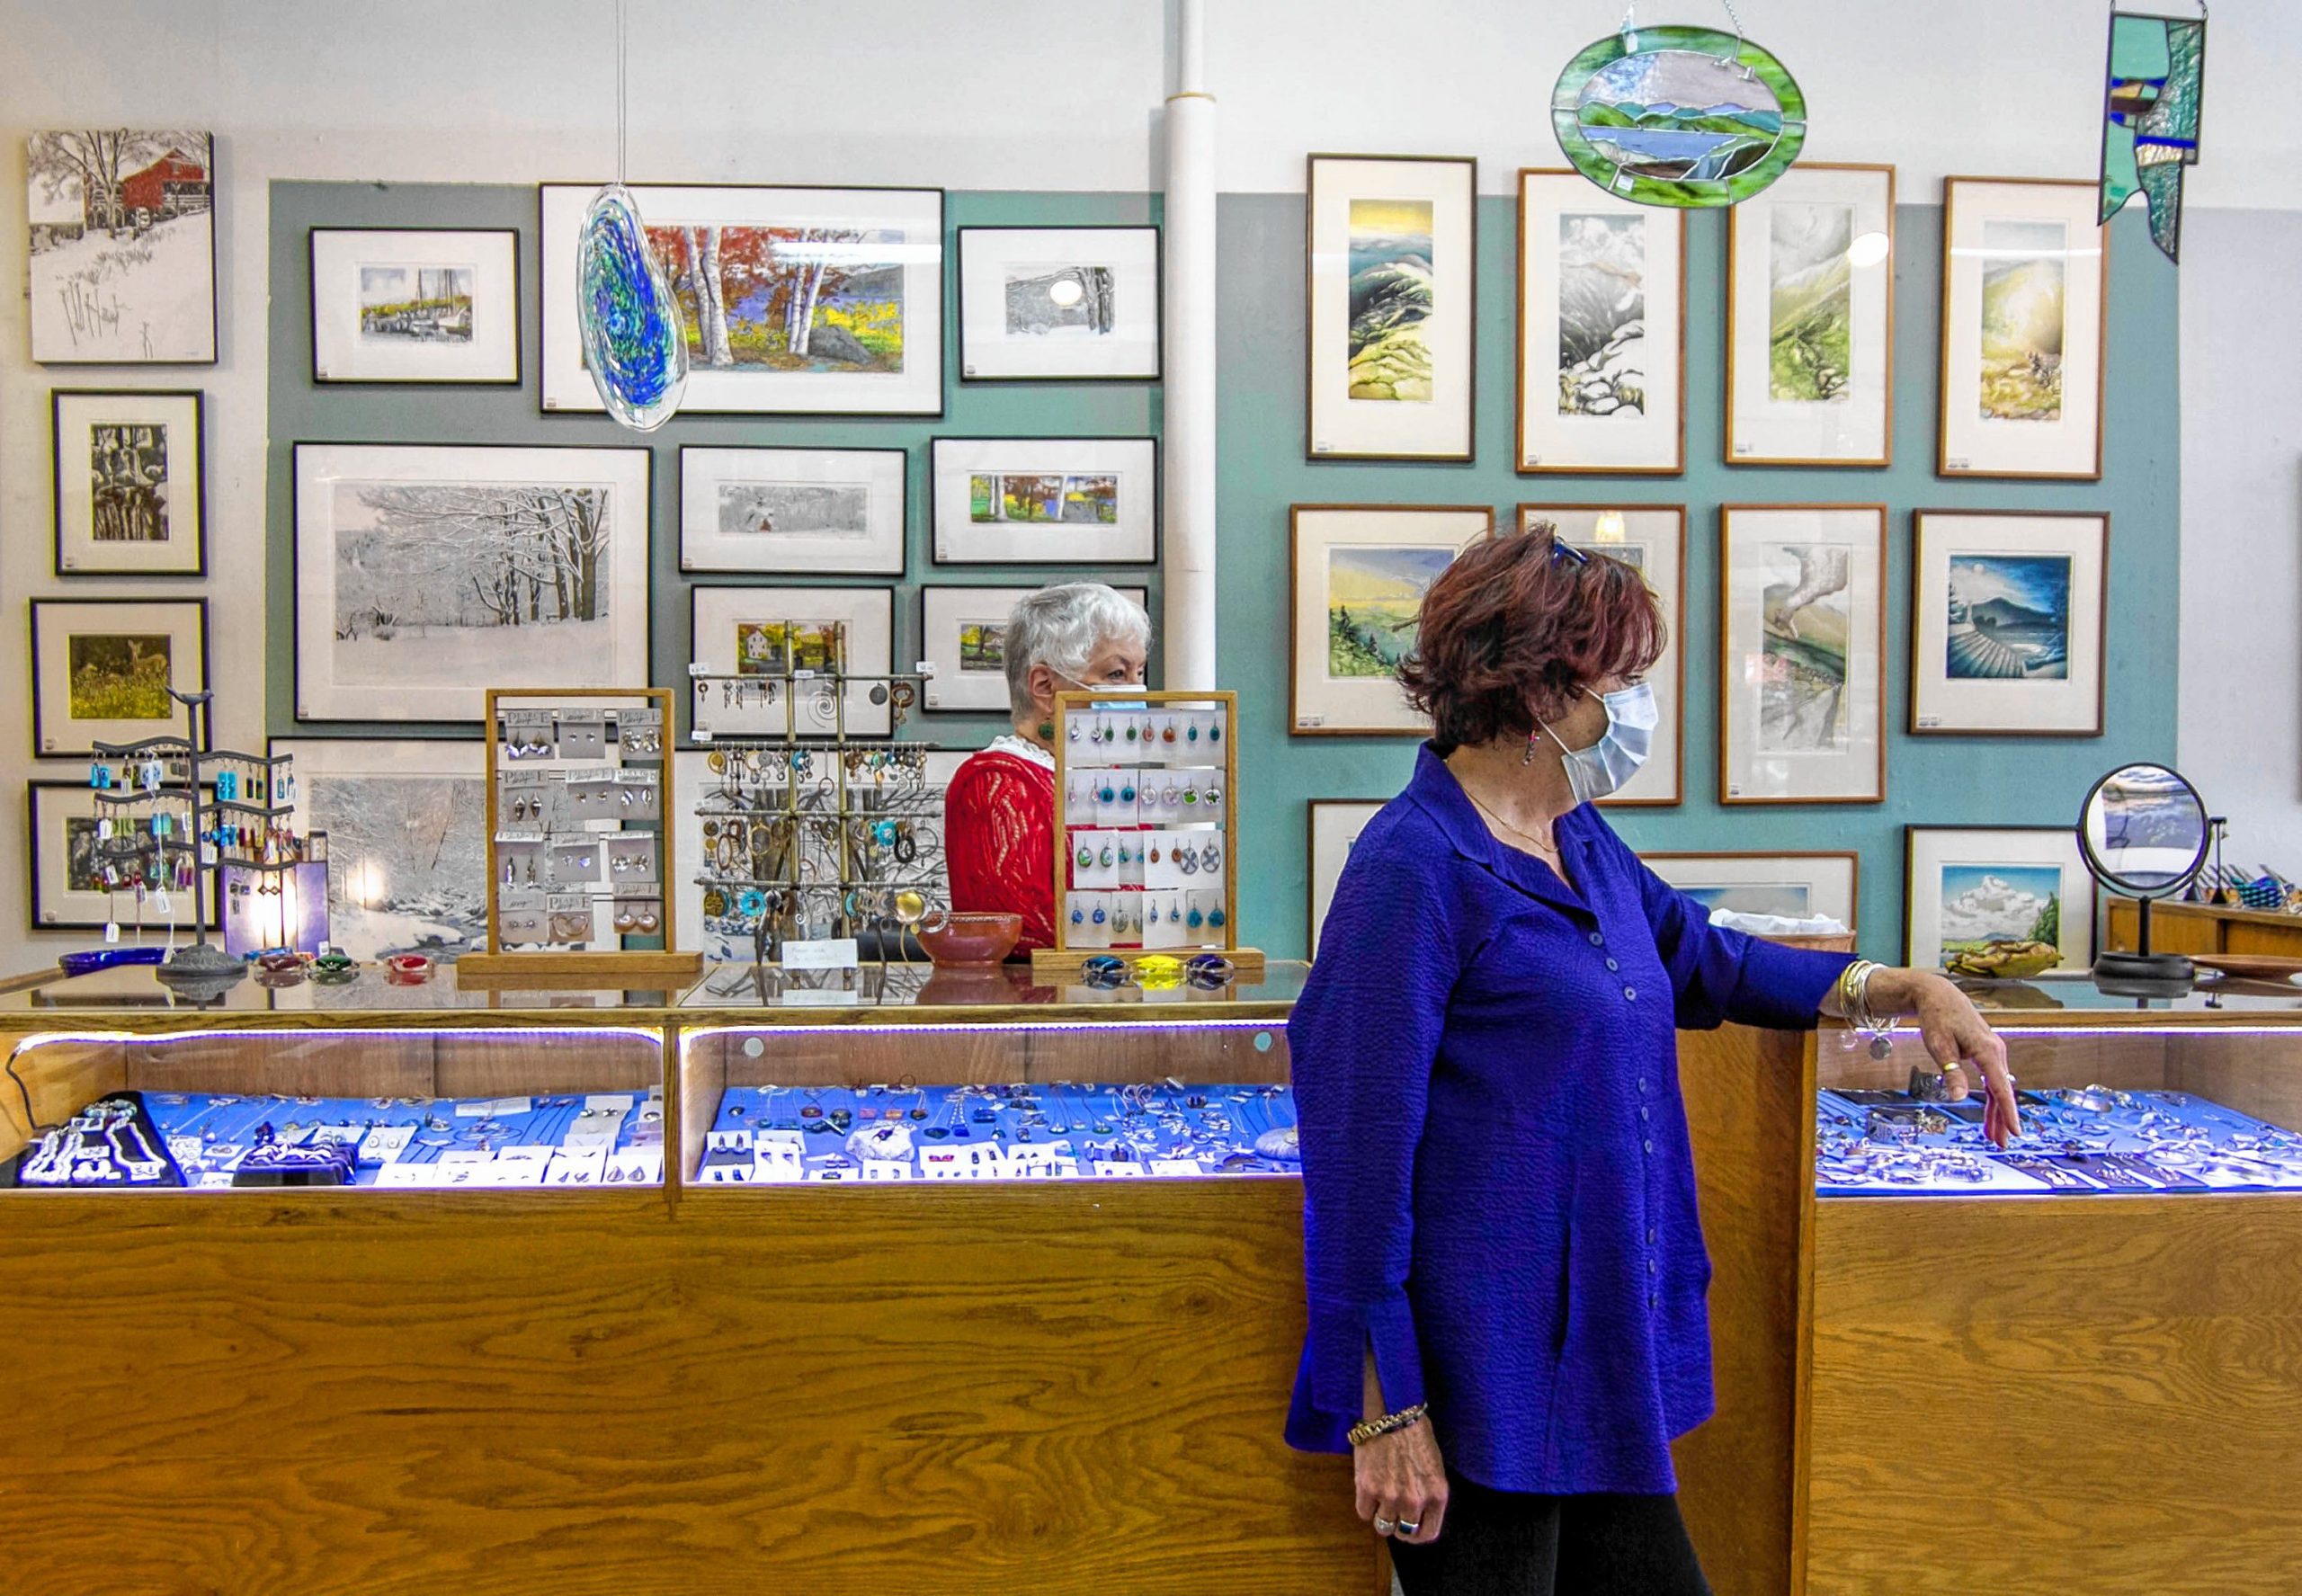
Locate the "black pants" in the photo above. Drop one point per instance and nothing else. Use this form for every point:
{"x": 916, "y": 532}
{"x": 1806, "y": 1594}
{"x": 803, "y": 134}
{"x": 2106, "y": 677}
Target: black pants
{"x": 1509, "y": 1543}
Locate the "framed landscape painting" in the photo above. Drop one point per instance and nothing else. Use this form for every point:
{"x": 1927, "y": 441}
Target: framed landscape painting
{"x": 1393, "y": 298}
{"x": 123, "y": 247}
{"x": 128, "y": 478}
{"x": 2008, "y": 900}
{"x": 1045, "y": 501}
{"x": 1794, "y": 885}
{"x": 1359, "y": 572}
{"x": 406, "y": 825}
{"x": 818, "y": 301}
{"x": 1810, "y": 319}
{"x": 67, "y": 891}
{"x": 1651, "y": 539}
{"x": 2026, "y": 272}
{"x": 1059, "y": 304}
{"x": 426, "y": 574}
{"x": 416, "y": 305}
{"x": 1602, "y": 293}
{"x": 1335, "y": 825}
{"x": 102, "y": 670}
{"x": 1802, "y": 690}
{"x": 2008, "y": 618}
{"x": 767, "y": 631}
{"x": 963, "y": 634}
{"x": 798, "y": 512}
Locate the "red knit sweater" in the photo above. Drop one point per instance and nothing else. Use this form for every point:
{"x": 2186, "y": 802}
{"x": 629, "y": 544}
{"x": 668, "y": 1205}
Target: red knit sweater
{"x": 999, "y": 840}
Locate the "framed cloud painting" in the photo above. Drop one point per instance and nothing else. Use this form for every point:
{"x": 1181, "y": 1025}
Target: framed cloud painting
{"x": 416, "y": 305}
{"x": 2010, "y": 900}
{"x": 2007, "y": 623}
{"x": 123, "y": 247}
{"x": 1057, "y": 304}
{"x": 128, "y": 475}
{"x": 1359, "y": 572}
{"x": 799, "y": 512}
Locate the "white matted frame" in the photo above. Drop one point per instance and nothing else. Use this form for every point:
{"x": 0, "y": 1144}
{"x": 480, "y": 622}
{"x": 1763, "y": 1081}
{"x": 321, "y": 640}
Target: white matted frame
{"x": 1077, "y": 304}
{"x": 779, "y": 510}
{"x": 128, "y": 471}
{"x": 1797, "y": 885}
{"x": 1810, "y": 319}
{"x": 424, "y": 572}
{"x": 1964, "y": 885}
{"x": 2026, "y": 276}
{"x": 1045, "y": 501}
{"x": 867, "y": 243}
{"x": 416, "y": 305}
{"x": 1802, "y": 688}
{"x": 2008, "y": 615}
{"x": 730, "y": 628}
{"x": 1602, "y": 376}
{"x": 93, "y": 658}
{"x": 1335, "y": 827}
{"x": 1357, "y": 576}
{"x": 1399, "y": 235}
{"x": 62, "y": 816}
{"x": 962, "y": 634}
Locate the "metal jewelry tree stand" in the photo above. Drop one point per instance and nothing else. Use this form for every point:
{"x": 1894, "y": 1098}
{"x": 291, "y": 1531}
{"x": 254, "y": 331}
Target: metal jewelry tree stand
{"x": 811, "y": 833}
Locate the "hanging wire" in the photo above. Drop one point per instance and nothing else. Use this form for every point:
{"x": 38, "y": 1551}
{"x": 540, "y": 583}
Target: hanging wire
{"x": 622, "y": 97}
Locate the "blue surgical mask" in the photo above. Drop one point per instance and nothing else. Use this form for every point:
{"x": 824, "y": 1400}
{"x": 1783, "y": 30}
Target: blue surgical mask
{"x": 1103, "y": 703}
{"x": 1602, "y": 768}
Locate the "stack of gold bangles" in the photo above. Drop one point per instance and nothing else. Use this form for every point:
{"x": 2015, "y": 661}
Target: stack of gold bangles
{"x": 1389, "y": 1423}
{"x": 1854, "y": 1005}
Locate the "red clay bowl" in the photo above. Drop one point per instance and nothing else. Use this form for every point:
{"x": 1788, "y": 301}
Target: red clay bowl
{"x": 967, "y": 942}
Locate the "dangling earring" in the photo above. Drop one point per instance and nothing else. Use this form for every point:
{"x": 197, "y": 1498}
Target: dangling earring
{"x": 1046, "y": 731}
{"x": 1533, "y": 738}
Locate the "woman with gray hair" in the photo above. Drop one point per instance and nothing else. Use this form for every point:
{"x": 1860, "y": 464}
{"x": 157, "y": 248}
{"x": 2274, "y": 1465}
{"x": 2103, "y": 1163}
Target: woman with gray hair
{"x": 999, "y": 821}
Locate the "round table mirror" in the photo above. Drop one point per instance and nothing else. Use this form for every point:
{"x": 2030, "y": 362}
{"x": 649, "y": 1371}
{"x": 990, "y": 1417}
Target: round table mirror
{"x": 2144, "y": 834}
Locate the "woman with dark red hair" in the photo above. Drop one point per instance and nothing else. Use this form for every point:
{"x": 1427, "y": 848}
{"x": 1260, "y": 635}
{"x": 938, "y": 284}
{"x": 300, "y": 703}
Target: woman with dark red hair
{"x": 1500, "y": 1236}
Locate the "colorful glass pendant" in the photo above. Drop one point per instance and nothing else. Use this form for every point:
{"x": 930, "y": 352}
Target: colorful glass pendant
{"x": 1679, "y": 117}
{"x": 635, "y": 346}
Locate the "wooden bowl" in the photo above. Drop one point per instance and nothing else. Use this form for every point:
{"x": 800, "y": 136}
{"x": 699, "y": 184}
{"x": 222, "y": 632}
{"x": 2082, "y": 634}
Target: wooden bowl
{"x": 970, "y": 940}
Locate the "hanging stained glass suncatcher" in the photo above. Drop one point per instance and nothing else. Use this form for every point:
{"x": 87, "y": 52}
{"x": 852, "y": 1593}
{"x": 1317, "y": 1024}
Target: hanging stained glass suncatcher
{"x": 2150, "y": 118}
{"x": 634, "y": 344}
{"x": 1686, "y": 117}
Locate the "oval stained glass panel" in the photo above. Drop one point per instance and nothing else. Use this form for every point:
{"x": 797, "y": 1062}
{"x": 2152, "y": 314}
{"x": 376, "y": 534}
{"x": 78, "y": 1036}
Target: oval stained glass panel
{"x": 1687, "y": 117}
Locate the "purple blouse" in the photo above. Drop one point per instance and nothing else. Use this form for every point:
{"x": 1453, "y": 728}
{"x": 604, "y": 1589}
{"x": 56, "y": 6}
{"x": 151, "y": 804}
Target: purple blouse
{"x": 1498, "y": 1191}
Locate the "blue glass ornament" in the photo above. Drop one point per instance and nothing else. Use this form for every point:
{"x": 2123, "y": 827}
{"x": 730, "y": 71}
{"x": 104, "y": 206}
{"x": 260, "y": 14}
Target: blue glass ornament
{"x": 635, "y": 345}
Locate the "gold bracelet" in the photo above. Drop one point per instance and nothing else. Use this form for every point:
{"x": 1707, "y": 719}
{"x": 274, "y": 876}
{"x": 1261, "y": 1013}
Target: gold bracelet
{"x": 1388, "y": 1424}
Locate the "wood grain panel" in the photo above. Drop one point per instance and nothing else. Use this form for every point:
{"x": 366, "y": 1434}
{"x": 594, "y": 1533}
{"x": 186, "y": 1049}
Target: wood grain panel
{"x": 2255, "y": 1075}
{"x": 292, "y": 1064}
{"x": 50, "y": 1084}
{"x": 469, "y": 1064}
{"x": 2033, "y": 1398}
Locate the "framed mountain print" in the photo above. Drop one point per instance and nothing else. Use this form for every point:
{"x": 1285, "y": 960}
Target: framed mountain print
{"x": 963, "y": 634}
{"x": 129, "y": 473}
{"x": 1356, "y": 597}
{"x": 1335, "y": 825}
{"x": 794, "y": 512}
{"x": 1802, "y": 688}
{"x": 768, "y": 631}
{"x": 416, "y": 305}
{"x": 2006, "y": 900}
{"x": 122, "y": 226}
{"x": 1794, "y": 885}
{"x": 68, "y": 891}
{"x": 1810, "y": 319}
{"x": 1045, "y": 501}
{"x": 1602, "y": 294}
{"x": 1393, "y": 289}
{"x": 2008, "y": 616}
{"x": 1651, "y": 539}
{"x": 1059, "y": 304}
{"x": 2026, "y": 272}
{"x": 102, "y": 670}
{"x": 815, "y": 301}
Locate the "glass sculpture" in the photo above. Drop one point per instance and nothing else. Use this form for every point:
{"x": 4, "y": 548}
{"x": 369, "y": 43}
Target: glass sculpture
{"x": 2150, "y": 118}
{"x": 634, "y": 344}
{"x": 1677, "y": 116}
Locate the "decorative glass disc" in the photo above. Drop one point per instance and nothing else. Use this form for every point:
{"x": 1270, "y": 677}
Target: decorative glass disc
{"x": 1678, "y": 116}
{"x": 634, "y": 344}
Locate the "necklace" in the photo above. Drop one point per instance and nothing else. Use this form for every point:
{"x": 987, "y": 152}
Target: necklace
{"x": 1545, "y": 844}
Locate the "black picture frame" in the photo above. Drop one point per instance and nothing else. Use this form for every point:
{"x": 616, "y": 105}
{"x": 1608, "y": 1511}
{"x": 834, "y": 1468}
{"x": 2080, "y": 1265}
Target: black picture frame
{"x": 312, "y": 313}
{"x": 903, "y": 540}
{"x": 36, "y": 904}
{"x": 1157, "y": 373}
{"x": 175, "y": 726}
{"x": 935, "y": 508}
{"x": 56, "y": 399}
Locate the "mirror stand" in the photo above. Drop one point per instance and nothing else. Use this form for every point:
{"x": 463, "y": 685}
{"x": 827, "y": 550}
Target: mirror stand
{"x": 2142, "y": 973}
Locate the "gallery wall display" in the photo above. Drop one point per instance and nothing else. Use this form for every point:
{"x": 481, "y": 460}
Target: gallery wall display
{"x": 1065, "y": 304}
{"x": 1796, "y": 885}
{"x": 1651, "y": 539}
{"x": 768, "y": 631}
{"x": 66, "y": 891}
{"x": 426, "y": 573}
{"x": 129, "y": 480}
{"x": 2009, "y": 900}
{"x": 1358, "y": 574}
{"x": 2026, "y": 271}
{"x": 963, "y": 634}
{"x": 1602, "y": 294}
{"x": 2008, "y": 613}
{"x": 792, "y": 511}
{"x": 123, "y": 247}
{"x": 1392, "y": 306}
{"x": 1810, "y": 320}
{"x": 1045, "y": 501}
{"x": 1802, "y": 639}
{"x": 101, "y": 669}
{"x": 416, "y": 305}
{"x": 797, "y": 300}
{"x": 1335, "y": 825}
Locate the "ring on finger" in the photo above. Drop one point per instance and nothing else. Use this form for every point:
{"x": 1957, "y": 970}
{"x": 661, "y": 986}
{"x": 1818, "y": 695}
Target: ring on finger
{"x": 1410, "y": 1527}
{"x": 1384, "y": 1525}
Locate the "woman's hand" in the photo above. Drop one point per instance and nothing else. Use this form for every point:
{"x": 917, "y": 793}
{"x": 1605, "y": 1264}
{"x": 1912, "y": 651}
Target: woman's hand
{"x": 1955, "y": 1034}
{"x": 1403, "y": 1483}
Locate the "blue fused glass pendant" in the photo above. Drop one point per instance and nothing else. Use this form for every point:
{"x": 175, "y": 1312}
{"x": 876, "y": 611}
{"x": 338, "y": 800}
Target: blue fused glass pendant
{"x": 634, "y": 344}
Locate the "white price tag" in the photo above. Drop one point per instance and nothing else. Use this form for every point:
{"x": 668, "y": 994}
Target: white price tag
{"x": 832, "y": 953}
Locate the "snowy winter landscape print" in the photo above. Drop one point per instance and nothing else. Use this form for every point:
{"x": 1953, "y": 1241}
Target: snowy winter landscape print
{"x": 409, "y": 861}
{"x": 123, "y": 258}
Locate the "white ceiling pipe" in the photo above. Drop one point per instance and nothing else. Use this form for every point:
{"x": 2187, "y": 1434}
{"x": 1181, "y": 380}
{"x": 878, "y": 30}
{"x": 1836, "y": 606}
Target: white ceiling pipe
{"x": 1189, "y": 626}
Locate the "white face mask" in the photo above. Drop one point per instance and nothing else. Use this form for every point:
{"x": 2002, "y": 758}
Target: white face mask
{"x": 1602, "y": 768}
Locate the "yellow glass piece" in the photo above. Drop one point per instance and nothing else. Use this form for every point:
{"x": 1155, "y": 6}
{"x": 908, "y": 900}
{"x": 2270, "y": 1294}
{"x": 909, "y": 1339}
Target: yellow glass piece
{"x": 911, "y": 907}
{"x": 1155, "y": 972}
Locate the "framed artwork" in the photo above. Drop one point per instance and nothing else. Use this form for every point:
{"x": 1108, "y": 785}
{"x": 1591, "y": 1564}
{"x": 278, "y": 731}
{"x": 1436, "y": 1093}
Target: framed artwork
{"x": 406, "y": 825}
{"x": 426, "y": 574}
{"x": 65, "y": 892}
{"x": 742, "y": 632}
{"x": 129, "y": 479}
{"x": 963, "y": 635}
{"x": 416, "y": 305}
{"x": 1797, "y": 885}
{"x": 1335, "y": 825}
{"x": 1986, "y": 900}
{"x": 1045, "y": 501}
{"x": 1355, "y": 596}
{"x": 101, "y": 669}
{"x": 1651, "y": 539}
{"x": 1602, "y": 294}
{"x": 1810, "y": 319}
{"x": 817, "y": 302}
{"x": 2026, "y": 271}
{"x": 795, "y": 512}
{"x": 123, "y": 247}
{"x": 1059, "y": 304}
{"x": 1392, "y": 298}
{"x": 1802, "y": 690}
{"x": 2008, "y": 615}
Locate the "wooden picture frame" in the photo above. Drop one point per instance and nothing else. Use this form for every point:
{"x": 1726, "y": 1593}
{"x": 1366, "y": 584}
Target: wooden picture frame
{"x": 2041, "y": 669}
{"x": 77, "y": 673}
{"x": 410, "y": 343}
{"x": 105, "y": 446}
{"x": 1343, "y": 819}
{"x": 2016, "y": 859}
{"x": 1127, "y": 295}
{"x": 1695, "y": 872}
{"x": 1364, "y": 702}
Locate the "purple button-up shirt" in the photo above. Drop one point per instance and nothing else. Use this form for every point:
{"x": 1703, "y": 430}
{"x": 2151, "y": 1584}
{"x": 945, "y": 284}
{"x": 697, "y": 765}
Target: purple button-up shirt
{"x": 1498, "y": 1189}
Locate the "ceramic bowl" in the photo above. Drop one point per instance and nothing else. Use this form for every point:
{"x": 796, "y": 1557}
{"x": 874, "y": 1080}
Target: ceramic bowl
{"x": 969, "y": 941}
